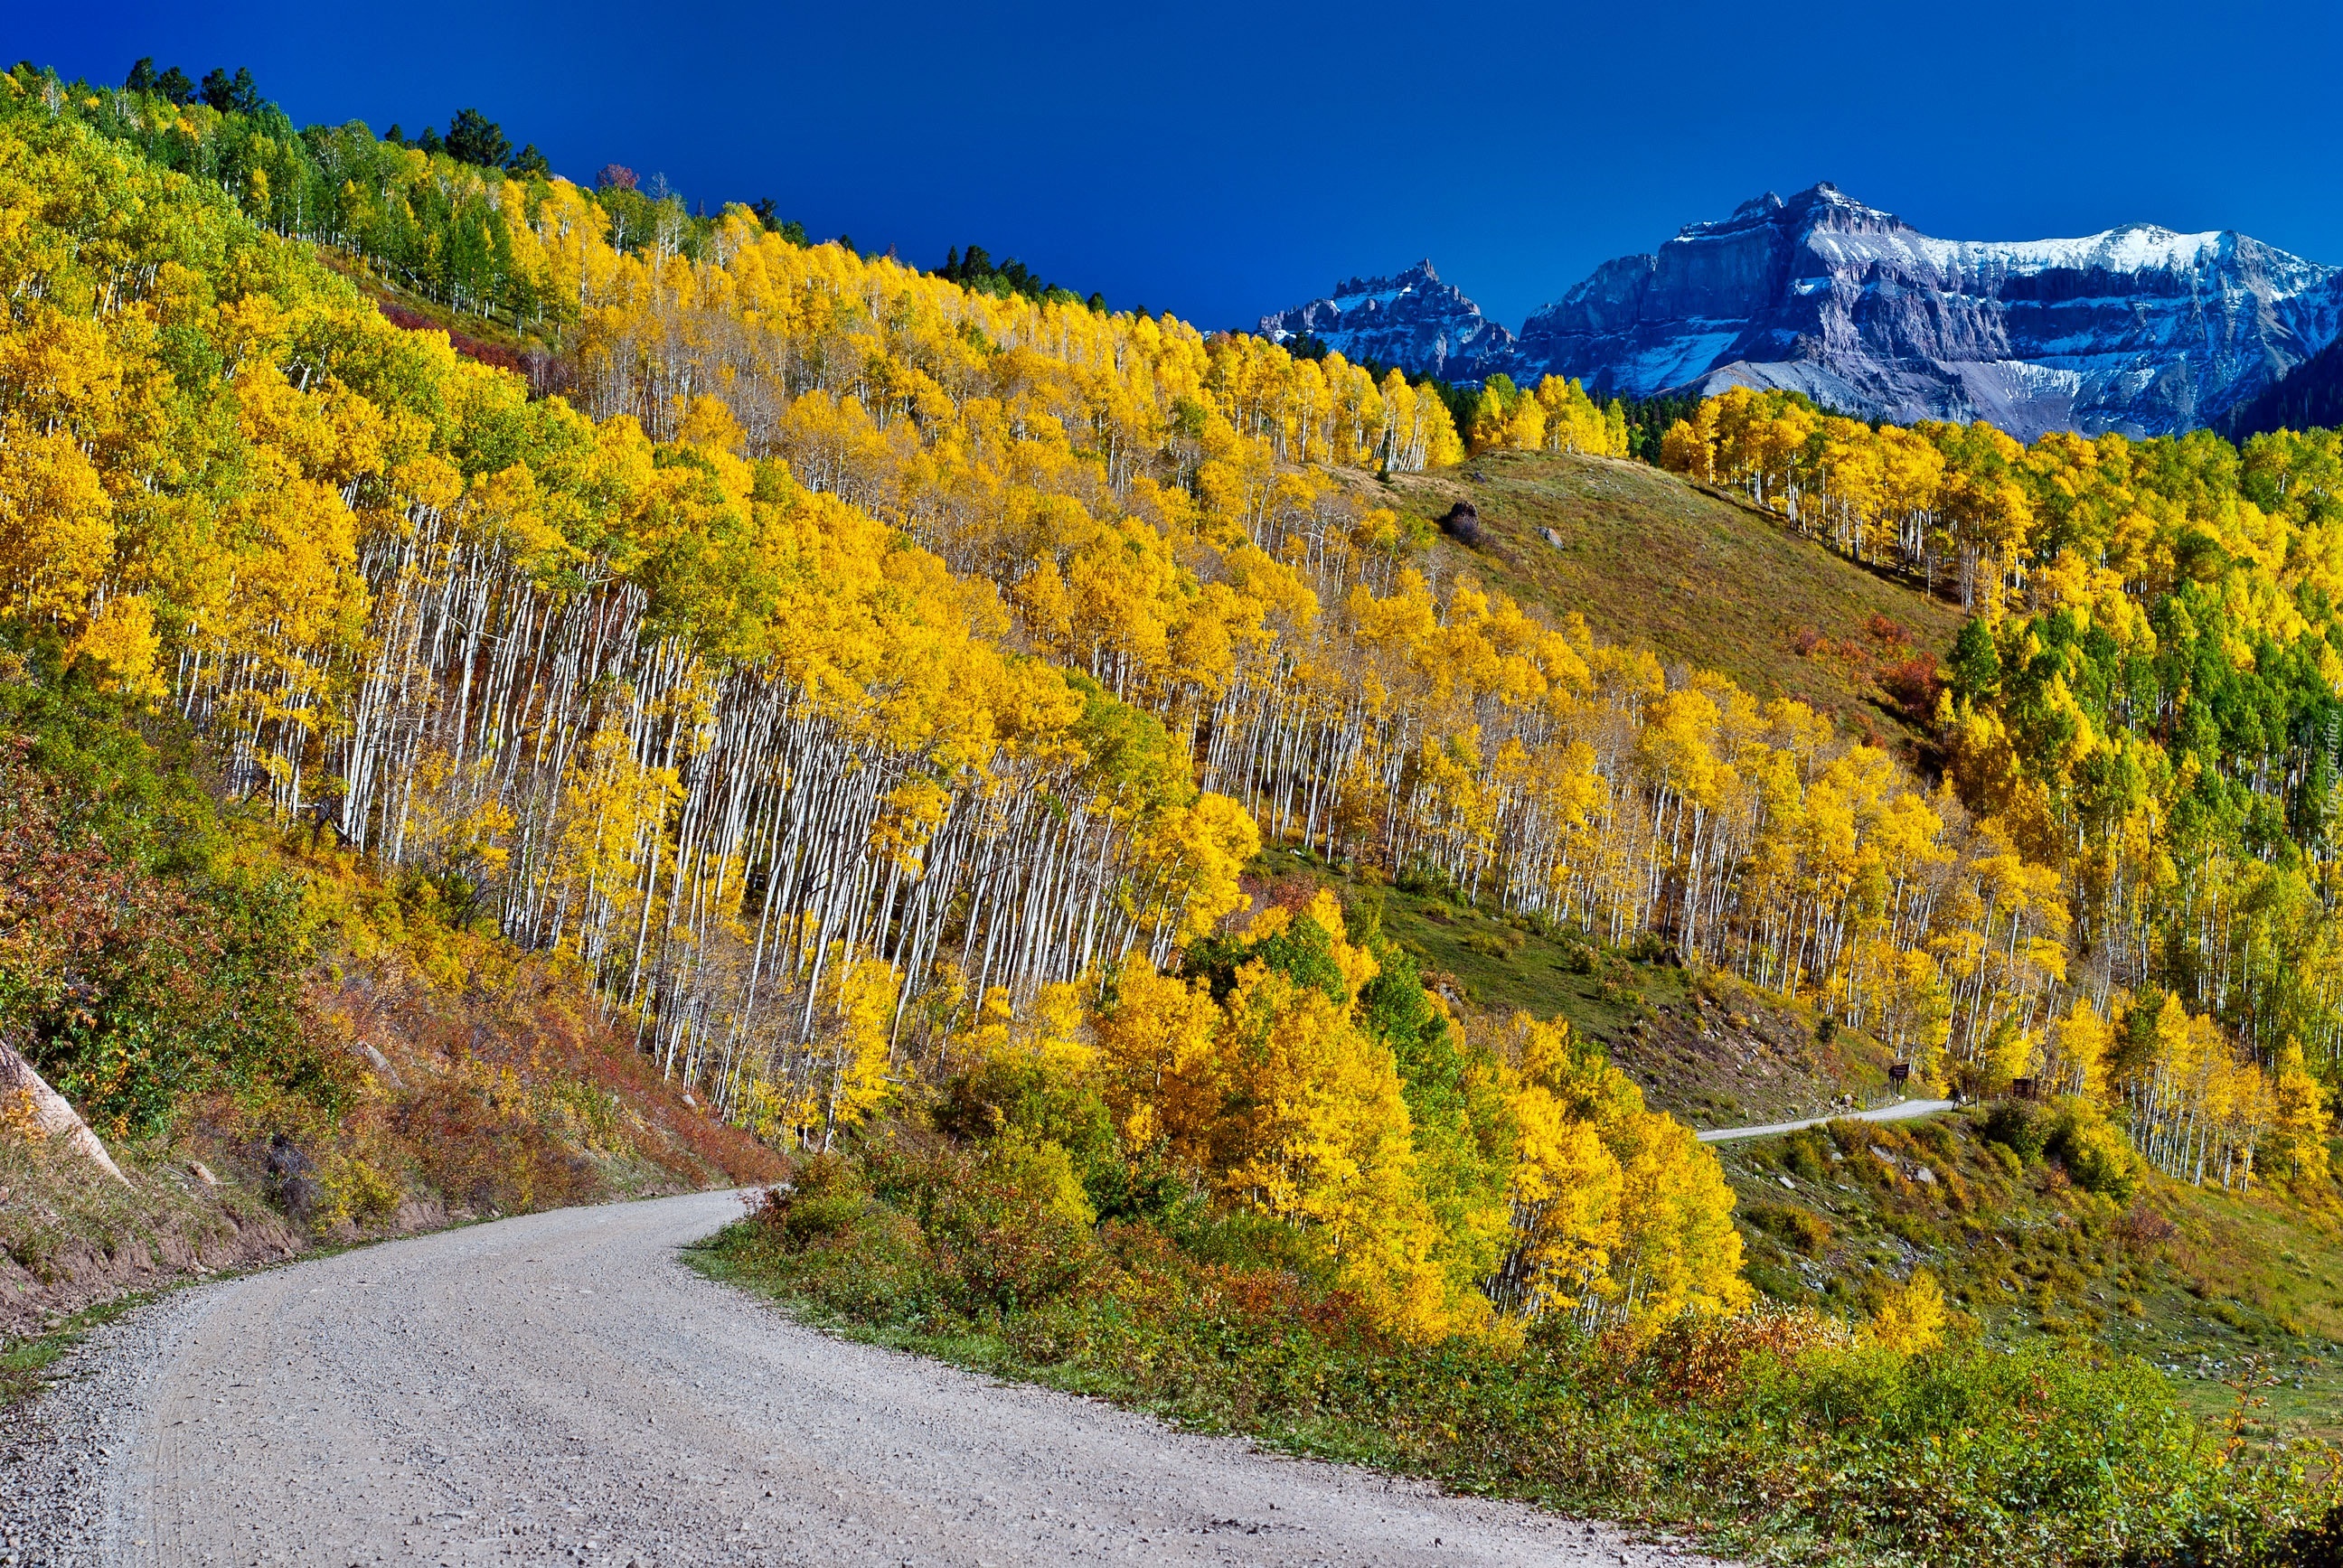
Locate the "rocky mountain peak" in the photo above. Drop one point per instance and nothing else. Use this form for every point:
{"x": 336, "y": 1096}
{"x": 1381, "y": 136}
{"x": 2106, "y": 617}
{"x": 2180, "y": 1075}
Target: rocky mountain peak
{"x": 1819, "y": 206}
{"x": 1409, "y": 318}
{"x": 1422, "y": 275}
{"x": 2138, "y": 328}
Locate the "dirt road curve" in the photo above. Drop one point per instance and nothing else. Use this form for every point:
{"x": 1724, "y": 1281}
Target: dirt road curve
{"x": 559, "y": 1389}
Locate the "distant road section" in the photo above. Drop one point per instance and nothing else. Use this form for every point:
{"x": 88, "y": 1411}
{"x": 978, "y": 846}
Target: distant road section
{"x": 560, "y": 1388}
{"x": 1901, "y": 1110}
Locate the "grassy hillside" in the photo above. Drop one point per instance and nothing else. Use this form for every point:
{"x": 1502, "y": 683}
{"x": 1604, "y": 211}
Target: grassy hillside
{"x": 1654, "y": 561}
{"x": 1707, "y": 1047}
{"x": 2217, "y": 1289}
{"x": 2214, "y": 1288}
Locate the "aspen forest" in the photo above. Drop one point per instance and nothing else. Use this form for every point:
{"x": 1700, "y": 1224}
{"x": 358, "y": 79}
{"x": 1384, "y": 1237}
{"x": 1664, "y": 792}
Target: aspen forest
{"x": 875, "y": 686}
{"x": 861, "y": 680}
{"x": 2146, "y": 706}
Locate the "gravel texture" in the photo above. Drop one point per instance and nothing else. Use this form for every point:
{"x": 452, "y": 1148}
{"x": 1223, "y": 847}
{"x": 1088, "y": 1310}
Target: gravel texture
{"x": 560, "y": 1389}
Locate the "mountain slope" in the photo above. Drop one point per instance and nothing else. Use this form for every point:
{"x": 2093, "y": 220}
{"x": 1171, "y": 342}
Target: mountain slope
{"x": 1653, "y": 561}
{"x": 2309, "y": 397}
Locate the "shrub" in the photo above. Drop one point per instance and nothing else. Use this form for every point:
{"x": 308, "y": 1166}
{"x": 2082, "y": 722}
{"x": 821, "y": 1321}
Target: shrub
{"x": 838, "y": 1246}
{"x": 1909, "y": 1317}
{"x": 2017, "y": 1127}
{"x": 825, "y": 1203}
{"x": 1001, "y": 1232}
{"x": 1702, "y": 1357}
{"x": 2096, "y": 1155}
{"x": 1808, "y": 1154}
{"x": 1911, "y": 1227}
{"x": 1041, "y": 1170}
{"x": 1807, "y": 1231}
{"x": 1243, "y": 1242}
{"x": 354, "y": 1191}
{"x": 1009, "y": 1098}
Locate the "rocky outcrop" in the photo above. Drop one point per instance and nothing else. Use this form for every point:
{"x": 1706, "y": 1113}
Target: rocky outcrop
{"x": 2309, "y": 399}
{"x": 1413, "y": 321}
{"x": 26, "y": 1097}
{"x": 2137, "y": 330}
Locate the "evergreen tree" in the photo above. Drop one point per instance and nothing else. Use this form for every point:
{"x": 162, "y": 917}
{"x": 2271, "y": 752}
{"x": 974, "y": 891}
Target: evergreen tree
{"x": 474, "y": 138}
{"x": 231, "y": 94}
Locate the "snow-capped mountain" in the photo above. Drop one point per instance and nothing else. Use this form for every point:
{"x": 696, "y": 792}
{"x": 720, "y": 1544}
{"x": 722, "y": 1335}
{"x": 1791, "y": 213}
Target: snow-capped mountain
{"x": 2139, "y": 329}
{"x": 1413, "y": 321}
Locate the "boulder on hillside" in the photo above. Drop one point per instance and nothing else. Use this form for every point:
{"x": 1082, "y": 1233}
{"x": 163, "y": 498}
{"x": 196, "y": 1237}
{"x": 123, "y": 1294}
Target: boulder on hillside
{"x": 1461, "y": 522}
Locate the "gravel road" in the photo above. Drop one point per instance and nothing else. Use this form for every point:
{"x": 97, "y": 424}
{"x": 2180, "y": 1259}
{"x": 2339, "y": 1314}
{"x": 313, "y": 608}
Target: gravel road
{"x": 560, "y": 1389}
{"x": 1901, "y": 1110}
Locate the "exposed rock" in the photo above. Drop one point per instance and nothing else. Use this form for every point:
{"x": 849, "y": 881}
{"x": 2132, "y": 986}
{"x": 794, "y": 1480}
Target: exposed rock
{"x": 1413, "y": 321}
{"x": 290, "y": 1185}
{"x": 1461, "y": 522}
{"x": 49, "y": 1112}
{"x": 381, "y": 1065}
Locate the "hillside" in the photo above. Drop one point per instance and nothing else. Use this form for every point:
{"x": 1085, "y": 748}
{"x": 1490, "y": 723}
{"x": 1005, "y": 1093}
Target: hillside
{"x": 2233, "y": 1296}
{"x": 1702, "y": 1046}
{"x": 299, "y": 1054}
{"x": 1652, "y": 562}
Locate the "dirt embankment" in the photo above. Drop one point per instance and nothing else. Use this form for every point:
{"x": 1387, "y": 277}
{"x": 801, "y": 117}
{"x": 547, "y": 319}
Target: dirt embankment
{"x": 454, "y": 1105}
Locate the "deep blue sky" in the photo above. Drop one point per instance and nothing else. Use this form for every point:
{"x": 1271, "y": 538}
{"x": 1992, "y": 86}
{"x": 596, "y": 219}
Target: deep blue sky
{"x": 1221, "y": 160}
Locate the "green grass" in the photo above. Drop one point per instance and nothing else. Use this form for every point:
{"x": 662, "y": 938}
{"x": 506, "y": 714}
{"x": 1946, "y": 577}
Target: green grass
{"x": 25, "y": 1363}
{"x": 1707, "y": 1046}
{"x": 1652, "y": 562}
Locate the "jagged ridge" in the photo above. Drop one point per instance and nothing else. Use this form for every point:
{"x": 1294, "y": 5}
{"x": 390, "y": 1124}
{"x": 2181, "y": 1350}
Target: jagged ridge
{"x": 1413, "y": 321}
